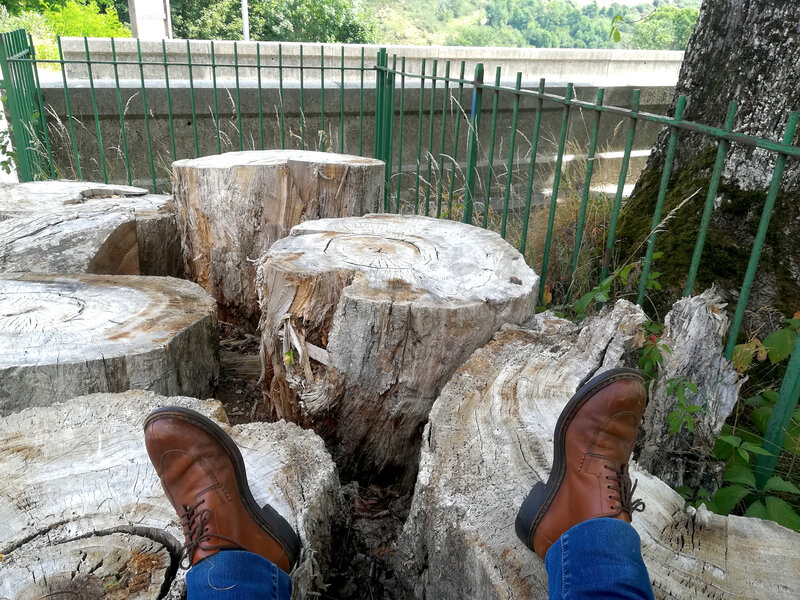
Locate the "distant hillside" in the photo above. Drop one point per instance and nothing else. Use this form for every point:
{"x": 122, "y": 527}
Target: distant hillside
{"x": 654, "y": 24}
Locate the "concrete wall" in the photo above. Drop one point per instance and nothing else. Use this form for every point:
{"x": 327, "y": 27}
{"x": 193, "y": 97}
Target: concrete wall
{"x": 614, "y": 68}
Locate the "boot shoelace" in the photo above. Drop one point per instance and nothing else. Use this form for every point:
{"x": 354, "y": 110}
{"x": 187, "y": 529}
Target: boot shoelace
{"x": 621, "y": 483}
{"x": 195, "y": 526}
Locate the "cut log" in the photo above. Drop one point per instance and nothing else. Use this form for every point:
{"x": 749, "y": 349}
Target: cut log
{"x": 694, "y": 333}
{"x": 63, "y": 336}
{"x": 490, "y": 438}
{"x": 82, "y": 510}
{"x": 233, "y": 207}
{"x": 365, "y": 319}
{"x": 78, "y": 227}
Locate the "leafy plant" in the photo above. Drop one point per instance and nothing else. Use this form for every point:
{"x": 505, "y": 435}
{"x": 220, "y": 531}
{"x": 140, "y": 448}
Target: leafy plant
{"x": 652, "y": 352}
{"x": 777, "y": 347}
{"x": 684, "y": 412}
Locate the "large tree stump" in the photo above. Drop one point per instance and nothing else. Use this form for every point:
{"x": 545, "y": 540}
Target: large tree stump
{"x": 233, "y": 207}
{"x": 365, "y": 319}
{"x": 83, "y": 511}
{"x": 490, "y": 439}
{"x": 694, "y": 333}
{"x": 63, "y": 336}
{"x": 79, "y": 227}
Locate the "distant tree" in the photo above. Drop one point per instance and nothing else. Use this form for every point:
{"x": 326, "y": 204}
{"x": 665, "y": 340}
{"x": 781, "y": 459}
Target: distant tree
{"x": 477, "y": 35}
{"x": 669, "y": 28}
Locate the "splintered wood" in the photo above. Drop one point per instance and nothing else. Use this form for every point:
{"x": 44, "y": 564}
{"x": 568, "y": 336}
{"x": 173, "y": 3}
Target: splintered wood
{"x": 79, "y": 227}
{"x": 490, "y": 438}
{"x": 231, "y": 208}
{"x": 63, "y": 336}
{"x": 83, "y": 514}
{"x": 365, "y": 319}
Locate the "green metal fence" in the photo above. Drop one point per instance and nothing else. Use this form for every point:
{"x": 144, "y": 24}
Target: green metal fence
{"x": 451, "y": 157}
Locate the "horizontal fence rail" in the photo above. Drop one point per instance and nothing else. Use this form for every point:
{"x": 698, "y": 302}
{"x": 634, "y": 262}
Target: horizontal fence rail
{"x": 485, "y": 147}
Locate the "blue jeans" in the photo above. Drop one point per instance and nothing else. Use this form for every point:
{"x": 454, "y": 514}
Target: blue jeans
{"x": 598, "y": 559}
{"x": 237, "y": 575}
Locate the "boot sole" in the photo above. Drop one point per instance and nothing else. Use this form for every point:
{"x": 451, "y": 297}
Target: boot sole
{"x": 538, "y": 501}
{"x": 266, "y": 517}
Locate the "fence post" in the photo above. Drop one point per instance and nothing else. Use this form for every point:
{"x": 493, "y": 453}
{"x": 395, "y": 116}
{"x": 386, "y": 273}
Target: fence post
{"x": 14, "y": 120}
{"x": 380, "y": 76}
{"x": 472, "y": 144}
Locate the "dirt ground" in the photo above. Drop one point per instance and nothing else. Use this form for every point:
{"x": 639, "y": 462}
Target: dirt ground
{"x": 363, "y": 543}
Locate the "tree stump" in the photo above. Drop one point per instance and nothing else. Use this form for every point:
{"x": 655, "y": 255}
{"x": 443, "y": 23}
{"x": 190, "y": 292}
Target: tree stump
{"x": 63, "y": 336}
{"x": 694, "y": 333}
{"x": 232, "y": 207}
{"x": 365, "y": 319}
{"x": 78, "y": 227}
{"x": 490, "y": 439}
{"x": 84, "y": 512}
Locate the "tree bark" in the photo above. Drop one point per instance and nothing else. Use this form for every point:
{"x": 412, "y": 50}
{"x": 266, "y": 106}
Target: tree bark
{"x": 85, "y": 515}
{"x": 77, "y": 227}
{"x": 748, "y": 51}
{"x": 490, "y": 438}
{"x": 233, "y": 207}
{"x": 365, "y": 319}
{"x": 66, "y": 335}
{"x": 694, "y": 333}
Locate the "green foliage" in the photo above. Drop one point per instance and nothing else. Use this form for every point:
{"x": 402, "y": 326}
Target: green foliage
{"x": 684, "y": 412}
{"x": 777, "y": 347}
{"x": 291, "y": 21}
{"x": 668, "y": 28}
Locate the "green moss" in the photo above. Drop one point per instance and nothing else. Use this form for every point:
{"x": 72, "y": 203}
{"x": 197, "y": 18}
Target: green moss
{"x": 728, "y": 244}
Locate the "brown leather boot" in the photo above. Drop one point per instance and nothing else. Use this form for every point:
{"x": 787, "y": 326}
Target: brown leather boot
{"x": 594, "y": 438}
{"x": 203, "y": 475}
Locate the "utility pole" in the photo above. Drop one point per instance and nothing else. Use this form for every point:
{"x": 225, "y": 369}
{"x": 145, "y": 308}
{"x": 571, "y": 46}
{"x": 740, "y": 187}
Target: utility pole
{"x": 245, "y": 22}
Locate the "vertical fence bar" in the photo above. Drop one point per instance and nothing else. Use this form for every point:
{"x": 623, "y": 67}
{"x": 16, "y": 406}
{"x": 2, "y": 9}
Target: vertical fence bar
{"x": 280, "y": 98}
{"x": 472, "y": 143}
{"x": 23, "y": 84}
{"x": 341, "y": 106}
{"x": 758, "y": 245}
{"x": 361, "y": 110}
{"x": 623, "y": 177}
{"x": 42, "y": 115}
{"x": 191, "y": 95}
{"x": 380, "y": 75}
{"x": 400, "y": 131}
{"x": 94, "y": 110}
{"x": 322, "y": 92}
{"x": 14, "y": 114}
{"x": 722, "y": 152}
{"x": 781, "y": 416}
{"x": 562, "y": 138}
{"x": 512, "y": 140}
{"x": 146, "y": 115}
{"x": 169, "y": 96}
{"x": 662, "y": 194}
{"x": 122, "y": 113}
{"x": 490, "y": 168}
{"x": 587, "y": 185}
{"x": 443, "y": 137}
{"x": 388, "y": 136}
{"x": 419, "y": 135}
{"x": 216, "y": 99}
{"x": 260, "y": 97}
{"x": 454, "y": 159}
{"x": 302, "y": 106}
{"x": 68, "y": 105}
{"x": 430, "y": 137}
{"x": 239, "y": 124}
{"x": 537, "y": 125}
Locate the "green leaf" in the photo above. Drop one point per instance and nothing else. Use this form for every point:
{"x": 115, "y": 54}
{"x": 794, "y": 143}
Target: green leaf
{"x": 625, "y": 273}
{"x": 760, "y": 417}
{"x": 781, "y": 512}
{"x": 740, "y": 474}
{"x": 756, "y": 449}
{"x": 778, "y": 484}
{"x": 684, "y": 491}
{"x": 582, "y": 304}
{"x": 732, "y": 440}
{"x": 770, "y": 395}
{"x": 728, "y": 497}
{"x": 675, "y": 422}
{"x": 689, "y": 424}
{"x": 743, "y": 453}
{"x": 656, "y": 256}
{"x": 693, "y": 408}
{"x": 756, "y": 510}
{"x": 779, "y": 344}
{"x": 617, "y": 36}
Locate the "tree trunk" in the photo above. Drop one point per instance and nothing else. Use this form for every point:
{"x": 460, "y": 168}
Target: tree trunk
{"x": 62, "y": 336}
{"x": 490, "y": 438}
{"x": 365, "y": 319}
{"x": 77, "y": 227}
{"x": 85, "y": 515}
{"x": 694, "y": 332}
{"x": 233, "y": 207}
{"x": 742, "y": 50}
